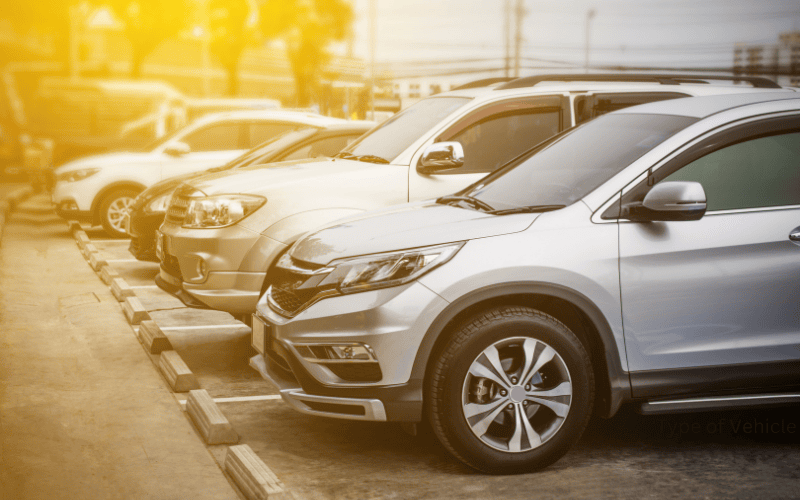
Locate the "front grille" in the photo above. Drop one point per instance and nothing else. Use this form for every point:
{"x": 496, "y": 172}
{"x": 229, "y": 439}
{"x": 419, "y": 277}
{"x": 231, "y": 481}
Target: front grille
{"x": 179, "y": 205}
{"x": 170, "y": 264}
{"x": 292, "y": 290}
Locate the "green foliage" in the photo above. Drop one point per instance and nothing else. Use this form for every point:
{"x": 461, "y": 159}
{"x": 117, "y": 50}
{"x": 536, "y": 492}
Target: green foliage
{"x": 232, "y": 24}
{"x": 307, "y": 27}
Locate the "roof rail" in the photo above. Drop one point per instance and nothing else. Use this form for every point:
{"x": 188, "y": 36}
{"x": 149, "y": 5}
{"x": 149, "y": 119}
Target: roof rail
{"x": 485, "y": 82}
{"x": 663, "y": 79}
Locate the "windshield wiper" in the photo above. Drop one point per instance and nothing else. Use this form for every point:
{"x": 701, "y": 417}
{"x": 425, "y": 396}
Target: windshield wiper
{"x": 527, "y": 210}
{"x": 480, "y": 205}
{"x": 367, "y": 158}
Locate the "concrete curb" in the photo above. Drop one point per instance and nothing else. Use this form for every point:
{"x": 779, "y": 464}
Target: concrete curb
{"x": 153, "y": 339}
{"x": 254, "y": 479}
{"x": 97, "y": 261}
{"x": 121, "y": 289}
{"x": 74, "y": 226}
{"x": 108, "y": 274}
{"x": 81, "y": 238}
{"x": 88, "y": 249}
{"x": 209, "y": 420}
{"x": 178, "y": 375}
{"x": 134, "y": 310}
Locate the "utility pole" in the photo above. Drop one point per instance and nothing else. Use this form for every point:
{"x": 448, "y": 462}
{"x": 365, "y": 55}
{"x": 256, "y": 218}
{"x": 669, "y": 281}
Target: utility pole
{"x": 507, "y": 34}
{"x": 373, "y": 21}
{"x": 519, "y": 12}
{"x": 589, "y": 15}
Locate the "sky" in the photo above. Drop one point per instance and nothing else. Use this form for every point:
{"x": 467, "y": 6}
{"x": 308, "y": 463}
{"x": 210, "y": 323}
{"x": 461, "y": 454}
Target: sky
{"x": 425, "y": 36}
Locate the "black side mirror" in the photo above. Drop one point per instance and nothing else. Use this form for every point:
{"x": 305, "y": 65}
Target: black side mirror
{"x": 177, "y": 149}
{"x": 441, "y": 156}
{"x": 669, "y": 201}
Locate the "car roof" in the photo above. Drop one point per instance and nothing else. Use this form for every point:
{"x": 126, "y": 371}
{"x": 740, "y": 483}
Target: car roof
{"x": 301, "y": 117}
{"x": 702, "y": 107}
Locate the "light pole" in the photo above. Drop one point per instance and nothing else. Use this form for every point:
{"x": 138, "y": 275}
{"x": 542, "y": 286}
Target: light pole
{"x": 589, "y": 15}
{"x": 373, "y": 20}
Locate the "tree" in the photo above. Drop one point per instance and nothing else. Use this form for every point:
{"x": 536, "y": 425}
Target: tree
{"x": 148, "y": 23}
{"x": 51, "y": 17}
{"x": 307, "y": 27}
{"x": 232, "y": 25}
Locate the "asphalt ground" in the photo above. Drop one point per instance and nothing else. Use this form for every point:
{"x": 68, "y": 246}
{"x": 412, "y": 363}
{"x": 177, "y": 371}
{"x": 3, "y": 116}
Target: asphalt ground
{"x": 742, "y": 454}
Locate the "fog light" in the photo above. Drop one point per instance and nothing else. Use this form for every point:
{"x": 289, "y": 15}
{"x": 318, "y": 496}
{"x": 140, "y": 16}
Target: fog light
{"x": 337, "y": 353}
{"x": 69, "y": 206}
{"x": 202, "y": 268}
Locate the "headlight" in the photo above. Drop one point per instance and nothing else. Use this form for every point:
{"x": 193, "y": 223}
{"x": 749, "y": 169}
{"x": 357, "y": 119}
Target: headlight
{"x": 221, "y": 211}
{"x": 159, "y": 204}
{"x": 359, "y": 274}
{"x": 77, "y": 175}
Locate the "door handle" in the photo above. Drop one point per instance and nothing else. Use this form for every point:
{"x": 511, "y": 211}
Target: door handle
{"x": 794, "y": 236}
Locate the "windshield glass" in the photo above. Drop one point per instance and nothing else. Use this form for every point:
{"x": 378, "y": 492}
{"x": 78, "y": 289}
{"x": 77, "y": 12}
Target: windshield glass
{"x": 267, "y": 149}
{"x": 577, "y": 163}
{"x": 397, "y": 133}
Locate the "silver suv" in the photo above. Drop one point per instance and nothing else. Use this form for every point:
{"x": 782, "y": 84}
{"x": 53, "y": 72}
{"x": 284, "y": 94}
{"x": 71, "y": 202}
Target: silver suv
{"x": 224, "y": 232}
{"x": 650, "y": 255}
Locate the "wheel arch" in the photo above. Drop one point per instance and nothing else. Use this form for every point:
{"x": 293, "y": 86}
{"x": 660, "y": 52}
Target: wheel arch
{"x": 98, "y": 199}
{"x": 570, "y": 307}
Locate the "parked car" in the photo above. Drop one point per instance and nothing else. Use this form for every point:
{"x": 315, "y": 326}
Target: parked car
{"x": 497, "y": 313}
{"x": 99, "y": 189}
{"x": 146, "y": 214}
{"x": 437, "y": 146}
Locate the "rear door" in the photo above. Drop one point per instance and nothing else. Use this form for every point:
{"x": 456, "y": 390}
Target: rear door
{"x": 492, "y": 136}
{"x": 712, "y": 304}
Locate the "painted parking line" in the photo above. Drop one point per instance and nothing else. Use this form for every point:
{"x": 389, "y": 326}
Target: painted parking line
{"x": 266, "y": 397}
{"x": 200, "y": 327}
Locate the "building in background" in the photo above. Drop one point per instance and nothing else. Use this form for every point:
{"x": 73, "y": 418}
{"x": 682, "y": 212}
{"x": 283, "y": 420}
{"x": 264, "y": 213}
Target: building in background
{"x": 779, "y": 61}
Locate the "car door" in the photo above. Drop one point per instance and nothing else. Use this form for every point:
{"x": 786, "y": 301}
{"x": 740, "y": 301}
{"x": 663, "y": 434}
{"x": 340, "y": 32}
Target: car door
{"x": 210, "y": 146}
{"x": 491, "y": 136}
{"x": 712, "y": 304}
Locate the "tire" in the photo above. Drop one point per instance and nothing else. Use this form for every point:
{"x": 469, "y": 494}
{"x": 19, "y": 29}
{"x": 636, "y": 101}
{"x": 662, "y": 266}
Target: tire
{"x": 482, "y": 422}
{"x": 111, "y": 208}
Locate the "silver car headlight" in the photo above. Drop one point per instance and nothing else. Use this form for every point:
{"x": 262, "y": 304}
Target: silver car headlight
{"x": 221, "y": 210}
{"x": 369, "y": 272}
{"x": 159, "y": 204}
{"x": 77, "y": 175}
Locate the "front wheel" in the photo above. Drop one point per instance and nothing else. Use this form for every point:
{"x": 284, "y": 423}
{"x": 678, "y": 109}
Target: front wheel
{"x": 511, "y": 392}
{"x": 113, "y": 209}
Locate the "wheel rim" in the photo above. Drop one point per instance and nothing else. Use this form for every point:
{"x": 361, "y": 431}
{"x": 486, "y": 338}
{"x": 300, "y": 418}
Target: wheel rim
{"x": 116, "y": 212}
{"x": 517, "y": 394}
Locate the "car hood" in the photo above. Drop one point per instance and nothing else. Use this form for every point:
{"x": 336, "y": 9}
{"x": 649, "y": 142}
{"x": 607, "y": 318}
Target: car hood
{"x": 261, "y": 179}
{"x": 402, "y": 227}
{"x": 109, "y": 160}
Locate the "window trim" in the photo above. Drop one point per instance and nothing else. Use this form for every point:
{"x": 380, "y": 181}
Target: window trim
{"x": 735, "y": 134}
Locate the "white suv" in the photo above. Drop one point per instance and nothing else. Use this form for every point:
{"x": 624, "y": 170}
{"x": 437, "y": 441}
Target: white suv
{"x": 99, "y": 189}
{"x": 223, "y": 232}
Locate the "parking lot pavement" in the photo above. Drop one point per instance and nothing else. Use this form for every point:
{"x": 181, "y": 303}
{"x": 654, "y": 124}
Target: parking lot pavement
{"x": 709, "y": 455}
{"x": 83, "y": 414}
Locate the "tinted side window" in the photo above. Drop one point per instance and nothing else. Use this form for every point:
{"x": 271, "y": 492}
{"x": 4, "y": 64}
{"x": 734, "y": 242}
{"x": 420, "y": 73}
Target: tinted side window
{"x": 222, "y": 137}
{"x": 262, "y": 132}
{"x": 588, "y": 107}
{"x": 492, "y": 142}
{"x": 763, "y": 172}
{"x": 328, "y": 146}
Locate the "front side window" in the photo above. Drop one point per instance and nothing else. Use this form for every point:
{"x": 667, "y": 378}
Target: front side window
{"x": 221, "y": 137}
{"x": 592, "y": 106}
{"x": 397, "y": 133}
{"x": 492, "y": 142}
{"x": 762, "y": 172}
{"x": 261, "y": 132}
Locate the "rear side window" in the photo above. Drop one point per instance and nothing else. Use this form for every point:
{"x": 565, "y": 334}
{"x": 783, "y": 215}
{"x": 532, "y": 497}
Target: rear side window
{"x": 221, "y": 137}
{"x": 328, "y": 146}
{"x": 261, "y": 132}
{"x": 592, "y": 106}
{"x": 763, "y": 172}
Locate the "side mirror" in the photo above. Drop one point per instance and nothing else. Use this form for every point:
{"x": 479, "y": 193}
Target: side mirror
{"x": 669, "y": 201}
{"x": 177, "y": 149}
{"x": 441, "y": 156}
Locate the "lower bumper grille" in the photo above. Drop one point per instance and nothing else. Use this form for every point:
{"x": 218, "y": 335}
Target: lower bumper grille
{"x": 170, "y": 264}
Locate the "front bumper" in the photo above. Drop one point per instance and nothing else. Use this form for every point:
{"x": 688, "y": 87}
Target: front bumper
{"x": 392, "y": 322}
{"x": 234, "y": 260}
{"x": 142, "y": 229}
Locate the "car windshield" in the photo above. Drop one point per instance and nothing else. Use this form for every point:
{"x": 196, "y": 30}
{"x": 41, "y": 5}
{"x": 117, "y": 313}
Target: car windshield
{"x": 397, "y": 133}
{"x": 267, "y": 149}
{"x": 576, "y": 163}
